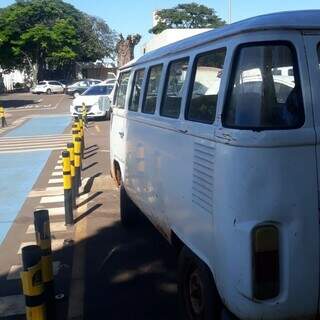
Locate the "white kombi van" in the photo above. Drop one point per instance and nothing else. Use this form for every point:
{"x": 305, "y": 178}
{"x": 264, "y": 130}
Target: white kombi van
{"x": 216, "y": 140}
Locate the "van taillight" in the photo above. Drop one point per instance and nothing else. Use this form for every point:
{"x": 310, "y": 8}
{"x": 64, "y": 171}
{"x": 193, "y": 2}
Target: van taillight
{"x": 265, "y": 262}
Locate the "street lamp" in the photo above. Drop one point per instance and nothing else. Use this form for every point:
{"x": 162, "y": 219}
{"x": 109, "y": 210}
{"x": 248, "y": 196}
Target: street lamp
{"x": 229, "y": 11}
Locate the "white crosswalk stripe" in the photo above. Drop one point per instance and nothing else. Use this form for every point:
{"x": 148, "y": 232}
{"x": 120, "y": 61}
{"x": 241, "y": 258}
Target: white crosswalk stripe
{"x": 34, "y": 143}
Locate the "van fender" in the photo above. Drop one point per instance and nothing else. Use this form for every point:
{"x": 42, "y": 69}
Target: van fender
{"x": 117, "y": 165}
{"x": 177, "y": 240}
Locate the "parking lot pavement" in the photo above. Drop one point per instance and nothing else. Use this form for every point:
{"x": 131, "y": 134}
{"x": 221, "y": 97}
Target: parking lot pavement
{"x": 101, "y": 269}
{"x": 128, "y": 274}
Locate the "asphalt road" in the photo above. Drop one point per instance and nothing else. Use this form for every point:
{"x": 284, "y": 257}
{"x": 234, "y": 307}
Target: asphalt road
{"x": 103, "y": 271}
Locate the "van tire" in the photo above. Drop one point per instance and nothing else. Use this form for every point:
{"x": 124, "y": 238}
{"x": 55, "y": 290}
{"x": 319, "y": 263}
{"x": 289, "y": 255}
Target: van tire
{"x": 129, "y": 212}
{"x": 202, "y": 302}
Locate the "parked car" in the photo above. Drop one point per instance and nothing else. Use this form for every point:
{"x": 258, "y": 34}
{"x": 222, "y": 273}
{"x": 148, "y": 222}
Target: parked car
{"x": 48, "y": 87}
{"x": 109, "y": 81}
{"x": 81, "y": 86}
{"x": 97, "y": 100}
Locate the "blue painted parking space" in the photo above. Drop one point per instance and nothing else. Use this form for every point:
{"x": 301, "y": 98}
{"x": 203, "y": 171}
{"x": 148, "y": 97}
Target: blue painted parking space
{"x": 41, "y": 126}
{"x": 18, "y": 174}
{"x": 19, "y": 171}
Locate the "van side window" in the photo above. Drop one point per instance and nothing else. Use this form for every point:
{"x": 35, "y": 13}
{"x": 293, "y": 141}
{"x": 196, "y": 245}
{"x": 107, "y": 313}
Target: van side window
{"x": 122, "y": 90}
{"x": 152, "y": 88}
{"x": 258, "y": 98}
{"x": 136, "y": 90}
{"x": 205, "y": 84}
{"x": 172, "y": 97}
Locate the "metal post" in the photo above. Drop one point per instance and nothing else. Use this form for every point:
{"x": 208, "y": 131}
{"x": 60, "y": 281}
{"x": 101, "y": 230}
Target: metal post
{"x": 43, "y": 238}
{"x": 77, "y": 162}
{"x": 84, "y": 113}
{"x": 70, "y": 148}
{"x": 82, "y": 134}
{"x": 67, "y": 186}
{"x": 32, "y": 285}
{"x": 229, "y": 11}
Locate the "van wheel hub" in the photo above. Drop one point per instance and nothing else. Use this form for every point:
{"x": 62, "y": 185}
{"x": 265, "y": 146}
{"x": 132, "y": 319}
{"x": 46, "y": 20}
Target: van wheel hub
{"x": 196, "y": 292}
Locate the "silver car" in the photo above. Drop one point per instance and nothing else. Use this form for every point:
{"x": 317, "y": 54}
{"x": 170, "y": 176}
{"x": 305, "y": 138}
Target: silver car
{"x": 48, "y": 87}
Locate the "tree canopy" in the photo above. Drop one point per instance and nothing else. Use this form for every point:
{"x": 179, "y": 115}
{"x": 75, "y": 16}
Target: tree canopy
{"x": 35, "y": 34}
{"x": 188, "y": 15}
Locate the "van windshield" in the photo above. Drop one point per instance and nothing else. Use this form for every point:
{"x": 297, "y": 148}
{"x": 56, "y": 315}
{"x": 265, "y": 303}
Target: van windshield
{"x": 265, "y": 92}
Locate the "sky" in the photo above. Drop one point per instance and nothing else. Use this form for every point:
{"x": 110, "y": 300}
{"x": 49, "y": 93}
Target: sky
{"x": 127, "y": 16}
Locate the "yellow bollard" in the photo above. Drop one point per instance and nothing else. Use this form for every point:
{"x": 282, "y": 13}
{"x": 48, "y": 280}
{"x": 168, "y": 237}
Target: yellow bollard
{"x": 32, "y": 284}
{"x": 43, "y": 238}
{"x": 70, "y": 148}
{"x": 84, "y": 113}
{"x": 77, "y": 162}
{"x": 67, "y": 187}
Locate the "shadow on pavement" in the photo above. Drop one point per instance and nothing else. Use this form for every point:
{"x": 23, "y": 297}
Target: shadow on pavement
{"x": 16, "y": 103}
{"x": 132, "y": 274}
{"x": 90, "y": 198}
{"x": 89, "y": 211}
{"x": 90, "y": 147}
{"x": 89, "y": 184}
{"x": 129, "y": 274}
{"x": 90, "y": 166}
{"x": 93, "y": 149}
{"x": 85, "y": 157}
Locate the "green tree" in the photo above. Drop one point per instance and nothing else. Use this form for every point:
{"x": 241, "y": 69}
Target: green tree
{"x": 188, "y": 15}
{"x": 35, "y": 34}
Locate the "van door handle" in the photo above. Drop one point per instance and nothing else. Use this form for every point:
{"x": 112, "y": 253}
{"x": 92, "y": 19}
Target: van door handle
{"x": 121, "y": 134}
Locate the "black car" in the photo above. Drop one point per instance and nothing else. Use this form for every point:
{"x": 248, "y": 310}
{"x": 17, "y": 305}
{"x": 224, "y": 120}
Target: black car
{"x": 80, "y": 86}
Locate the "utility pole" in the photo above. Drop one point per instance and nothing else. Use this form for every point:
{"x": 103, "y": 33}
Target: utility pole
{"x": 229, "y": 11}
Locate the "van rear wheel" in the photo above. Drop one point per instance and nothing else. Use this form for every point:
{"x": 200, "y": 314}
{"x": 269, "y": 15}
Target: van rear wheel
{"x": 198, "y": 296}
{"x": 129, "y": 212}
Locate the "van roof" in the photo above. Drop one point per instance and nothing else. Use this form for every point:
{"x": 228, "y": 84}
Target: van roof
{"x": 288, "y": 20}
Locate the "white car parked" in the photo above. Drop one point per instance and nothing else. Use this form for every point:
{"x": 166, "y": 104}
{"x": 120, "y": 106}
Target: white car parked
{"x": 48, "y": 87}
{"x": 97, "y": 100}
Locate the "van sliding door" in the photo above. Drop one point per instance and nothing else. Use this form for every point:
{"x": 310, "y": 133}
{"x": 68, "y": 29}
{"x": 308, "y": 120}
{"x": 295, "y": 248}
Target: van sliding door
{"x": 312, "y": 45}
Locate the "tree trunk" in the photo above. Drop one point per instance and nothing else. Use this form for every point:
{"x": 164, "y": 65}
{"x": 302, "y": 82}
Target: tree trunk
{"x": 35, "y": 69}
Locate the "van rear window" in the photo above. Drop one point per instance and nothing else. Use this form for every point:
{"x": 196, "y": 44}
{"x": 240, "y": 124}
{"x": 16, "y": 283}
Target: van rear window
{"x": 264, "y": 92}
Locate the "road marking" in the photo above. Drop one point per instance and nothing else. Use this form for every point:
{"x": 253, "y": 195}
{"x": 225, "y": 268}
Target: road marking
{"x": 97, "y": 128}
{"x": 56, "y": 211}
{"x": 77, "y": 287}
{"x": 14, "y": 272}
{"x": 54, "y": 227}
{"x": 33, "y": 150}
{"x": 57, "y": 173}
{"x": 59, "y": 161}
{"x": 54, "y": 189}
{"x": 33, "y": 143}
{"x": 58, "y": 168}
{"x": 56, "y": 244}
{"x": 56, "y": 180}
{"x": 12, "y": 305}
{"x": 43, "y": 136}
{"x": 42, "y": 193}
{"x": 52, "y": 199}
